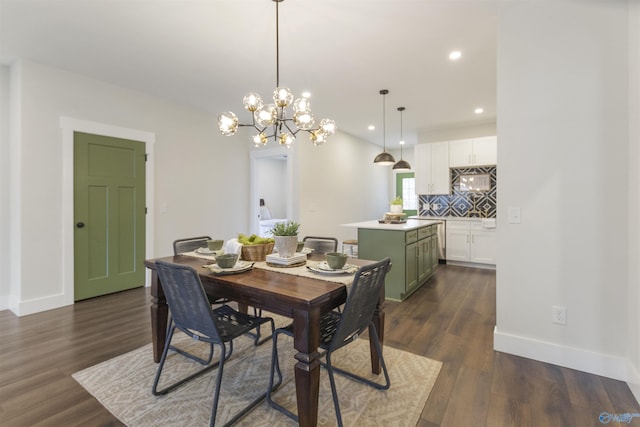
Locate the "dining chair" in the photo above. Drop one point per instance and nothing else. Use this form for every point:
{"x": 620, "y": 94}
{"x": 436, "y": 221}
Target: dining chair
{"x": 192, "y": 314}
{"x": 321, "y": 245}
{"x": 189, "y": 244}
{"x": 337, "y": 329}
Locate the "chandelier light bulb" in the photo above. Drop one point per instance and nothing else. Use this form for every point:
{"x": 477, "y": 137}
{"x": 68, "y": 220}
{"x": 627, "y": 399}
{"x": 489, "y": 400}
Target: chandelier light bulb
{"x": 252, "y": 102}
{"x": 228, "y": 123}
{"x": 328, "y": 126}
{"x": 304, "y": 120}
{"x": 301, "y": 105}
{"x": 259, "y": 140}
{"x": 286, "y": 139}
{"x": 266, "y": 116}
{"x": 282, "y": 96}
{"x": 318, "y": 137}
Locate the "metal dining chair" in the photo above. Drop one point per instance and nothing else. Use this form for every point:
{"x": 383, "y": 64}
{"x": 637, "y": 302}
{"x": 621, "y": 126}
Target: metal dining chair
{"x": 321, "y": 245}
{"x": 192, "y": 314}
{"x": 339, "y": 329}
{"x": 189, "y": 244}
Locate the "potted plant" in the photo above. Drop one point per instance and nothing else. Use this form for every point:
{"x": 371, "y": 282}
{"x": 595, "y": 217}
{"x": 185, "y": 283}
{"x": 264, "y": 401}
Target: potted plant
{"x": 286, "y": 237}
{"x": 396, "y": 206}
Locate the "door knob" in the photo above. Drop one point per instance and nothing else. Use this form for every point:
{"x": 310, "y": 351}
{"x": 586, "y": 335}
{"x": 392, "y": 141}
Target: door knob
{"x": 80, "y": 224}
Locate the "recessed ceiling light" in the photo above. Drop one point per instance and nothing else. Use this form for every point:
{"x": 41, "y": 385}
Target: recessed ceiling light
{"x": 455, "y": 55}
{"x": 478, "y": 110}
{"x": 306, "y": 95}
{"x": 371, "y": 127}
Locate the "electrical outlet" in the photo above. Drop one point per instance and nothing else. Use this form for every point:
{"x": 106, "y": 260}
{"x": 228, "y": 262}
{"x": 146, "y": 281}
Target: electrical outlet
{"x": 559, "y": 315}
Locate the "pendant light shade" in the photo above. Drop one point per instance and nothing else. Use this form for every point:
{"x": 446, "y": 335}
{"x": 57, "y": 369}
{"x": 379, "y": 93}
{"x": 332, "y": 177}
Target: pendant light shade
{"x": 384, "y": 158}
{"x": 401, "y": 165}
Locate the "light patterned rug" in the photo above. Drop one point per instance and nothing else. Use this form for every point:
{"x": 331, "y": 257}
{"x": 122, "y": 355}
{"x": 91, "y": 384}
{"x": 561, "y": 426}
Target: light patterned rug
{"x": 123, "y": 386}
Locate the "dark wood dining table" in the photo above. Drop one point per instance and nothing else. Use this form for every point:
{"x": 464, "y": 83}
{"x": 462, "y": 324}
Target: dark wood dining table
{"x": 300, "y": 298}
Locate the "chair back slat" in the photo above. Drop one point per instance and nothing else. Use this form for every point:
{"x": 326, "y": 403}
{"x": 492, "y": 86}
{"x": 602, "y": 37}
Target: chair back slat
{"x": 189, "y": 244}
{"x": 361, "y": 302}
{"x": 187, "y": 300}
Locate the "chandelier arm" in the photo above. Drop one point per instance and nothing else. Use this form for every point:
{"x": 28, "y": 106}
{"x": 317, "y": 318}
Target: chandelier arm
{"x": 293, "y": 133}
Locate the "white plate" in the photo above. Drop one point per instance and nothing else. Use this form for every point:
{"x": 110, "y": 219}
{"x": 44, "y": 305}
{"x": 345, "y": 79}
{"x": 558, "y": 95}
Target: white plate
{"x": 238, "y": 268}
{"x": 205, "y": 251}
{"x": 323, "y": 267}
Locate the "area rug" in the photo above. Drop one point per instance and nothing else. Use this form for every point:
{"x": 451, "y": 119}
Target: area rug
{"x": 123, "y": 386}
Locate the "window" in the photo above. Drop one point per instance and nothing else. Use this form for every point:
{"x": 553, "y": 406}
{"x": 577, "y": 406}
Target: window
{"x": 406, "y": 189}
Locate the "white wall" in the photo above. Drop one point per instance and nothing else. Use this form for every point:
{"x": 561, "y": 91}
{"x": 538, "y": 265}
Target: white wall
{"x": 340, "y": 184}
{"x": 633, "y": 338}
{"x": 4, "y": 188}
{"x": 563, "y": 132}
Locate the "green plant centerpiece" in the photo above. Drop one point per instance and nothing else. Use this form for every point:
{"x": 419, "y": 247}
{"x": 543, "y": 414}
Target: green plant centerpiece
{"x": 396, "y": 206}
{"x": 286, "y": 237}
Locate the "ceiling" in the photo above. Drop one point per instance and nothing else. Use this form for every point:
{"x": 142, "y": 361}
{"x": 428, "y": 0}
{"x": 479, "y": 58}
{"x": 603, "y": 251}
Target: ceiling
{"x": 209, "y": 53}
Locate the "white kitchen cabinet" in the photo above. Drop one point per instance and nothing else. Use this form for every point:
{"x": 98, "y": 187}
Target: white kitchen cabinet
{"x": 470, "y": 242}
{"x": 473, "y": 152}
{"x": 432, "y": 168}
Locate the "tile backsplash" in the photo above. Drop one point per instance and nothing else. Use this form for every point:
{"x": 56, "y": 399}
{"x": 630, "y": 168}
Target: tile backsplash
{"x": 462, "y": 203}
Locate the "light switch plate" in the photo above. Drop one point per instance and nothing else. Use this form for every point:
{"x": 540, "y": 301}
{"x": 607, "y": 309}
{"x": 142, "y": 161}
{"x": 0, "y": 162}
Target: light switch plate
{"x": 514, "y": 216}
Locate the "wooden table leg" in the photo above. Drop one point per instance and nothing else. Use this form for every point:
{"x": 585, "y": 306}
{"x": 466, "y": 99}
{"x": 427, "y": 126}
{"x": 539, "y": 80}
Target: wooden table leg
{"x": 307, "y": 369}
{"x": 378, "y": 322}
{"x": 159, "y": 316}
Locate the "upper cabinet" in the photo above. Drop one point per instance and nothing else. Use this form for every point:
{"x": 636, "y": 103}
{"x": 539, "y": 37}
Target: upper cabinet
{"x": 473, "y": 152}
{"x": 432, "y": 168}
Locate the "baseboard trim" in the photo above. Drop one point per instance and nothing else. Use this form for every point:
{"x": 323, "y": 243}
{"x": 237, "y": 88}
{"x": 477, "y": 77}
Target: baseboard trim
{"x": 634, "y": 381}
{"x": 24, "y": 308}
{"x": 591, "y": 362}
{"x": 4, "y": 302}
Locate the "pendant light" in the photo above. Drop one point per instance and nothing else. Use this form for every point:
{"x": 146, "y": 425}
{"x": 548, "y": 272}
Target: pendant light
{"x": 384, "y": 158}
{"x": 401, "y": 165}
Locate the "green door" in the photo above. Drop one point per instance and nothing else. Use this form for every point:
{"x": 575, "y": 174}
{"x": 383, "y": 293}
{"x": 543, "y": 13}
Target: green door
{"x": 109, "y": 214}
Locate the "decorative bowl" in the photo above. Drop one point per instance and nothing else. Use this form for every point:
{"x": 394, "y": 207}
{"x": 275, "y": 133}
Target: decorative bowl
{"x": 336, "y": 260}
{"x": 226, "y": 260}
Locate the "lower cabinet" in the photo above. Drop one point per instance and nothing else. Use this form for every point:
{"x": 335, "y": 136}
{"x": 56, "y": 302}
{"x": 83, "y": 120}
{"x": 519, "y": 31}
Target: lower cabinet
{"x": 413, "y": 253}
{"x": 468, "y": 241}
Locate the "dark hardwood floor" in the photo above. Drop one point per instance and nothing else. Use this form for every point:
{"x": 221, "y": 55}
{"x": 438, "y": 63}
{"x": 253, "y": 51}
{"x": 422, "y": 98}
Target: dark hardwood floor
{"x": 451, "y": 319}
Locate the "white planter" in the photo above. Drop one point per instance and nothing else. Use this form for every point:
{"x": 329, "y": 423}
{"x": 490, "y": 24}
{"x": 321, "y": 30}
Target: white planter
{"x": 286, "y": 245}
{"x": 396, "y": 209}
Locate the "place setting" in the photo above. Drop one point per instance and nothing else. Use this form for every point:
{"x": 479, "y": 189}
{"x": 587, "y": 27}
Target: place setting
{"x": 229, "y": 264}
{"x": 335, "y": 263}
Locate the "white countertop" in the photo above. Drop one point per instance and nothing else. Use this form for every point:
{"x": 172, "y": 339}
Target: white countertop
{"x": 411, "y": 224}
{"x": 446, "y": 218}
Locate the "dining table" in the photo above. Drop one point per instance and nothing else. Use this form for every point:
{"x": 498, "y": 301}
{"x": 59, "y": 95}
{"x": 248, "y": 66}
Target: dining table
{"x": 302, "y": 298}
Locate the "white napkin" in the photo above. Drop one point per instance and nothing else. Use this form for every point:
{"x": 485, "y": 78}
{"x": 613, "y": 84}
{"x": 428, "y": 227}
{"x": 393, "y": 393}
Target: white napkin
{"x": 232, "y": 246}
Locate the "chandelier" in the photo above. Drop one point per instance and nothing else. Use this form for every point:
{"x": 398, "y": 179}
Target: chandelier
{"x": 401, "y": 165}
{"x": 272, "y": 120}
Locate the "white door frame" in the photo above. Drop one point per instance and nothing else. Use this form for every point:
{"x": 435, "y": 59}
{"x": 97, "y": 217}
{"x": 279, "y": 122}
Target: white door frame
{"x": 70, "y": 125}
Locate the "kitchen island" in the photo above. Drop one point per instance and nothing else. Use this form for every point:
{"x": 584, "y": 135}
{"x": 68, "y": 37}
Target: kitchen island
{"x": 412, "y": 247}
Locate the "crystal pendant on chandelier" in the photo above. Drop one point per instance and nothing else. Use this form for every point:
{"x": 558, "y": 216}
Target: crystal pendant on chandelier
{"x": 272, "y": 120}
